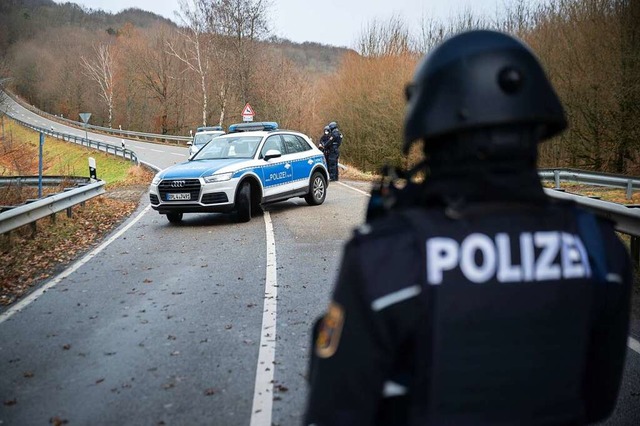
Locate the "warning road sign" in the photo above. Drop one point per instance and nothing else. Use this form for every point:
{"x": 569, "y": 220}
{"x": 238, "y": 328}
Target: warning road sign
{"x": 247, "y": 113}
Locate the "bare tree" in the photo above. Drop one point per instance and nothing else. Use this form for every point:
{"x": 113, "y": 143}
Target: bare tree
{"x": 384, "y": 38}
{"x": 242, "y": 23}
{"x": 100, "y": 70}
{"x": 156, "y": 70}
{"x": 193, "y": 53}
{"x": 433, "y": 32}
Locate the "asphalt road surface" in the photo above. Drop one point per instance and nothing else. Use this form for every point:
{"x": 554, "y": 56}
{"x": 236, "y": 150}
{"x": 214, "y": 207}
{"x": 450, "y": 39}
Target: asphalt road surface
{"x": 207, "y": 322}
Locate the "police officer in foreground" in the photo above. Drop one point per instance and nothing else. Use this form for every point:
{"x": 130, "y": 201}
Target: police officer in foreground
{"x": 333, "y": 149}
{"x": 473, "y": 299}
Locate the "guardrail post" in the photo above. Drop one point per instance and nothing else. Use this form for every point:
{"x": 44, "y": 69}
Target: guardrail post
{"x": 629, "y": 189}
{"x": 635, "y": 251}
{"x": 69, "y": 212}
{"x": 556, "y": 177}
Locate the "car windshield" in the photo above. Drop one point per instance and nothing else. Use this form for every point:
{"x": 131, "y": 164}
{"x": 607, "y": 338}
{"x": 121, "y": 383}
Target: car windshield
{"x": 203, "y": 138}
{"x": 229, "y": 147}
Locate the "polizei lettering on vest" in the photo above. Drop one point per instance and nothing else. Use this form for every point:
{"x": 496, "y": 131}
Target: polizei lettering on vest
{"x": 543, "y": 256}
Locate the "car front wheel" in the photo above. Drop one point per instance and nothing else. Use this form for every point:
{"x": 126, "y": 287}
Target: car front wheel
{"x": 243, "y": 203}
{"x": 174, "y": 217}
{"x": 317, "y": 190}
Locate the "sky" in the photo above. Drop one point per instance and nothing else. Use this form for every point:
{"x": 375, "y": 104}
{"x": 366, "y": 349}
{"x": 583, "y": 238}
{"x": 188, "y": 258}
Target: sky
{"x": 333, "y": 22}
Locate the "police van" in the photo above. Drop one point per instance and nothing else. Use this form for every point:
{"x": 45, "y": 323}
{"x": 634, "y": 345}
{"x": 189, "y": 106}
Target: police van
{"x": 252, "y": 165}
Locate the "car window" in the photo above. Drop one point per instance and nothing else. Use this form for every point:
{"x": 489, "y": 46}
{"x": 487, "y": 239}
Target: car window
{"x": 229, "y": 147}
{"x": 273, "y": 142}
{"x": 292, "y": 144}
{"x": 202, "y": 139}
{"x": 304, "y": 145}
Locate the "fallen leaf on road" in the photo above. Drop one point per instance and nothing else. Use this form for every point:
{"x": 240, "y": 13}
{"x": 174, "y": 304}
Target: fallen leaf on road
{"x": 28, "y": 374}
{"x": 10, "y": 402}
{"x": 66, "y": 347}
{"x": 147, "y": 281}
{"x": 99, "y": 381}
{"x": 57, "y": 421}
{"x": 209, "y": 391}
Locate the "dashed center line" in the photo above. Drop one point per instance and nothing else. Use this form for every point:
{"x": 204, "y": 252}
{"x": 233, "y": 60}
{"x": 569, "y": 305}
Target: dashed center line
{"x": 156, "y": 150}
{"x": 175, "y": 153}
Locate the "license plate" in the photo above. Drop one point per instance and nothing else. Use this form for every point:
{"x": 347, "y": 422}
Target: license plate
{"x": 173, "y": 197}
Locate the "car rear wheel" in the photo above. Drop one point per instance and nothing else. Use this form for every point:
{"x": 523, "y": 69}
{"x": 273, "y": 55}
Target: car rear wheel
{"x": 243, "y": 203}
{"x": 174, "y": 217}
{"x": 317, "y": 190}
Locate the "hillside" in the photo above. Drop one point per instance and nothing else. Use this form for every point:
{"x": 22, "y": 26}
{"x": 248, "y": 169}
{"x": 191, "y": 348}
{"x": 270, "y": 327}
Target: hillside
{"x": 21, "y": 20}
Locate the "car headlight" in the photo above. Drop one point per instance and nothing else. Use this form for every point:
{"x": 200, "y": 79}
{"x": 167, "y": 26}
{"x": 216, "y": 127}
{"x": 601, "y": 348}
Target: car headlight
{"x": 156, "y": 179}
{"x": 219, "y": 177}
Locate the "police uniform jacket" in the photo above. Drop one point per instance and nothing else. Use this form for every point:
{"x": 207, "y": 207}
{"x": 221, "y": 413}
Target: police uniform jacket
{"x": 496, "y": 314}
{"x": 334, "y": 141}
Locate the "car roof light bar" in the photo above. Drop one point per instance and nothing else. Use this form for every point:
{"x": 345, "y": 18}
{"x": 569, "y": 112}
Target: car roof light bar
{"x": 208, "y": 128}
{"x": 267, "y": 126}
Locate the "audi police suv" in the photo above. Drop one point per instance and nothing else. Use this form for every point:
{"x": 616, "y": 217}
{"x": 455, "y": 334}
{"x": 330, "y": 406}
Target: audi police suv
{"x": 252, "y": 165}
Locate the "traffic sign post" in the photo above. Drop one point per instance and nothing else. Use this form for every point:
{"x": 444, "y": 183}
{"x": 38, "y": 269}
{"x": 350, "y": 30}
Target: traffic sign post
{"x": 40, "y": 165}
{"x": 248, "y": 113}
{"x": 85, "y": 116}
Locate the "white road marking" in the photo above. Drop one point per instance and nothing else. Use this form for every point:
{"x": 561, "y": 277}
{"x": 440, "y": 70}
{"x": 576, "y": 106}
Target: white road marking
{"x": 50, "y": 284}
{"x": 351, "y": 187}
{"x": 181, "y": 155}
{"x": 156, "y": 150}
{"x": 263, "y": 391}
{"x": 140, "y": 147}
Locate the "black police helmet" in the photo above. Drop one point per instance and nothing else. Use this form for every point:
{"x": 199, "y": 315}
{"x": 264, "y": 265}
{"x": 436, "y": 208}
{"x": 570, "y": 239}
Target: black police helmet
{"x": 480, "y": 79}
{"x": 333, "y": 125}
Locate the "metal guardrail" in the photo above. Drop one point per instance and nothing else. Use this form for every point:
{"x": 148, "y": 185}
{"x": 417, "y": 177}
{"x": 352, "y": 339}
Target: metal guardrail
{"x": 630, "y": 183}
{"x": 46, "y": 180}
{"x": 28, "y": 213}
{"x": 109, "y": 130}
{"x": 626, "y": 219}
{"x": 89, "y": 143}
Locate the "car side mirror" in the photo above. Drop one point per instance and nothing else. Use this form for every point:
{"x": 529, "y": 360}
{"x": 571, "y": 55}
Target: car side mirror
{"x": 272, "y": 153}
{"x": 189, "y": 143}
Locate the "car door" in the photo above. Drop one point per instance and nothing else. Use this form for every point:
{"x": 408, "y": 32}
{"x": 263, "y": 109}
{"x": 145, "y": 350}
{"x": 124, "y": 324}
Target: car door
{"x": 298, "y": 152}
{"x": 277, "y": 172}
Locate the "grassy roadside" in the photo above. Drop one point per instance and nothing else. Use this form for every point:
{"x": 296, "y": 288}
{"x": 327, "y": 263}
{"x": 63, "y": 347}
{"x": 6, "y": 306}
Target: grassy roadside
{"x": 26, "y": 259}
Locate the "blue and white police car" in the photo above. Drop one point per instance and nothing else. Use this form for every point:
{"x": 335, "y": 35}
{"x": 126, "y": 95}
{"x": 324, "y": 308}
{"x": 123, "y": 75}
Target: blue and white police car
{"x": 252, "y": 165}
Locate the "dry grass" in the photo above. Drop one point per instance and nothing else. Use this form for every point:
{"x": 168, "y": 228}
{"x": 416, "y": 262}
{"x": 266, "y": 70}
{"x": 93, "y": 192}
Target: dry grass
{"x": 26, "y": 257}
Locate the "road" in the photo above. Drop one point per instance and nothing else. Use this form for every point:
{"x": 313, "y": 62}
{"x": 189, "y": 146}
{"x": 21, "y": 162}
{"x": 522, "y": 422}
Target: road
{"x": 163, "y": 324}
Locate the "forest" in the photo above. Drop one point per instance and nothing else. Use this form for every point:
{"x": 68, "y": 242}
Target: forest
{"x": 145, "y": 73}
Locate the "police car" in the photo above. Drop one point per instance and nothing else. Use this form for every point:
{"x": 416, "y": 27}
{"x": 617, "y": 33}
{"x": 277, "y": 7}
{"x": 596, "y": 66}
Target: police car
{"x": 252, "y": 165}
{"x": 202, "y": 137}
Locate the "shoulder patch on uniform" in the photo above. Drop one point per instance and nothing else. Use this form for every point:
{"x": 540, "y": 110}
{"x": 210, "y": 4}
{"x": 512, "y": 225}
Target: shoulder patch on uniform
{"x": 330, "y": 331}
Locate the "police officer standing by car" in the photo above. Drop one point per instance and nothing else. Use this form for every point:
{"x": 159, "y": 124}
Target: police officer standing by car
{"x": 473, "y": 298}
{"x": 333, "y": 148}
{"x": 324, "y": 139}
